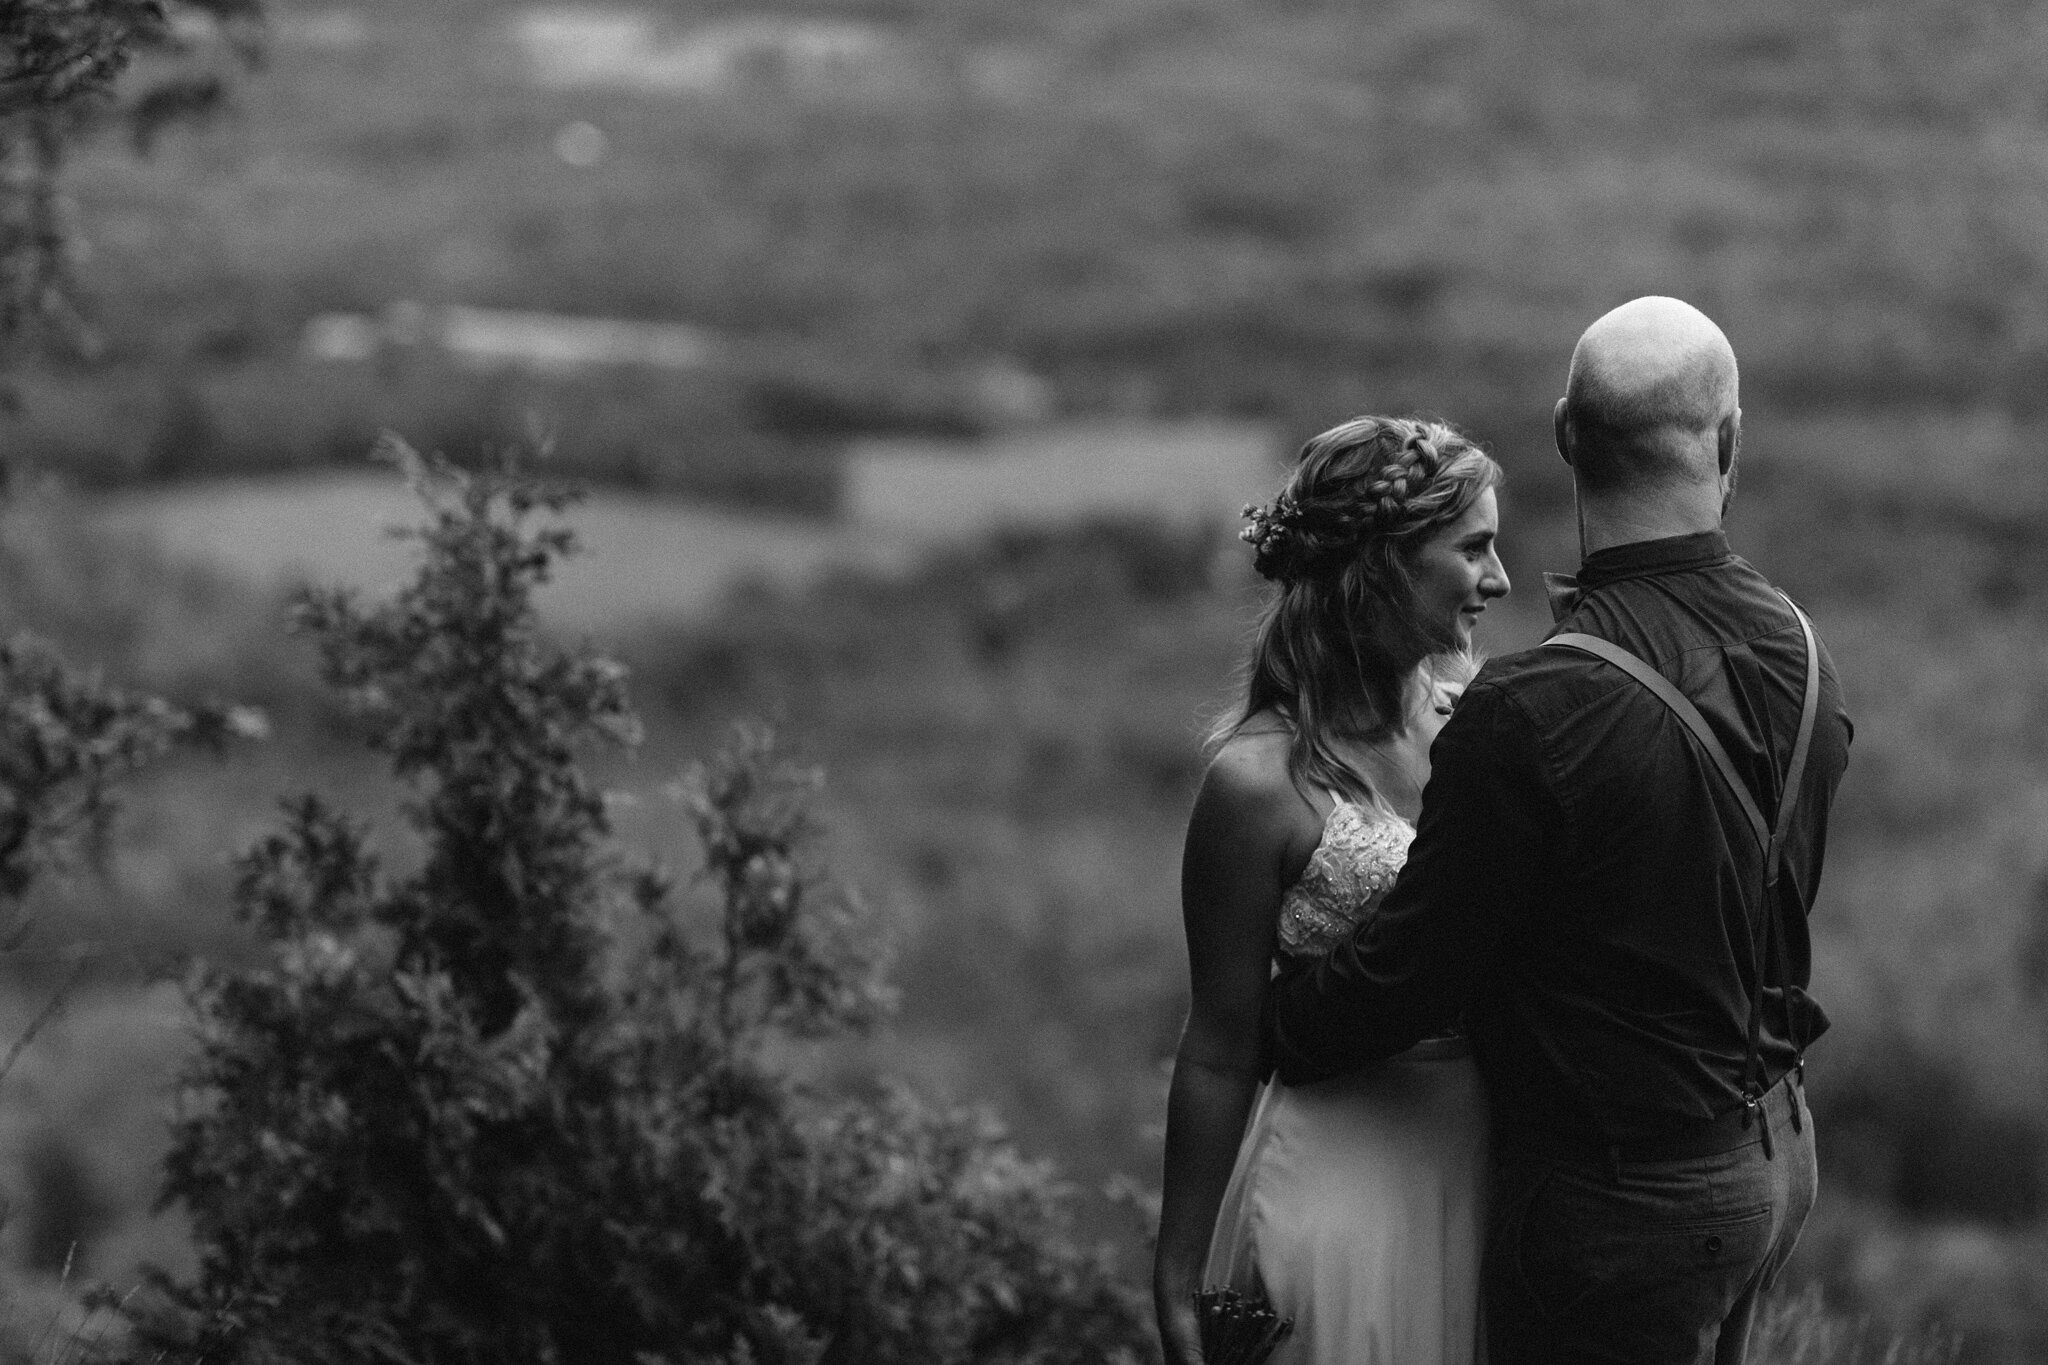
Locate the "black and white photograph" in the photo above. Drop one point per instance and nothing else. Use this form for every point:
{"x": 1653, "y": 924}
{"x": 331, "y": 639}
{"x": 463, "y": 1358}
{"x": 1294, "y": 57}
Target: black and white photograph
{"x": 1023, "y": 682}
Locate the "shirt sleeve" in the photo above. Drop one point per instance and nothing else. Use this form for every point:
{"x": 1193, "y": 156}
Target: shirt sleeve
{"x": 1410, "y": 969}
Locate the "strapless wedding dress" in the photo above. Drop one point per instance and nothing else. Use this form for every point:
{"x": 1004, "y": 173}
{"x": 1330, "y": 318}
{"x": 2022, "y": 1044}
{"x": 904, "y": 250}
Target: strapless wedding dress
{"x": 1358, "y": 1203}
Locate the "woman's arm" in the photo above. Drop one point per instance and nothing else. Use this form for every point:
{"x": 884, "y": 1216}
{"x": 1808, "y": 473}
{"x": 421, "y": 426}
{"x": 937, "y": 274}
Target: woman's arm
{"x": 1244, "y": 842}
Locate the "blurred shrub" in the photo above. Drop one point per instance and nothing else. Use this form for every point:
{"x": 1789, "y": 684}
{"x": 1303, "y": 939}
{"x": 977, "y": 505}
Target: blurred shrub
{"x": 67, "y": 738}
{"x": 1799, "y": 1329}
{"x": 520, "y": 1105}
{"x": 66, "y": 735}
{"x": 60, "y": 65}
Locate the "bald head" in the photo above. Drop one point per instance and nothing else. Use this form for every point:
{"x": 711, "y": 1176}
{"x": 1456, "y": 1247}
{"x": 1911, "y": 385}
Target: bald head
{"x": 1651, "y": 401}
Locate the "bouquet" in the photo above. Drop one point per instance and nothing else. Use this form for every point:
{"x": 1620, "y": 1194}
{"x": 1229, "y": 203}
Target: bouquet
{"x": 1237, "y": 1329}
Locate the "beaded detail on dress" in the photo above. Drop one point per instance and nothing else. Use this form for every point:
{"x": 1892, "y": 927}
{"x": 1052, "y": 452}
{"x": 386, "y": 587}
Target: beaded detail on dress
{"x": 1352, "y": 868}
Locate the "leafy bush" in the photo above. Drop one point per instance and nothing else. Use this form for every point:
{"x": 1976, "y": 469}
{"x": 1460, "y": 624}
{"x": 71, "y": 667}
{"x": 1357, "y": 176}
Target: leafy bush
{"x": 66, "y": 736}
{"x": 1798, "y": 1329}
{"x": 529, "y": 1103}
{"x": 60, "y": 64}
{"x": 67, "y": 739}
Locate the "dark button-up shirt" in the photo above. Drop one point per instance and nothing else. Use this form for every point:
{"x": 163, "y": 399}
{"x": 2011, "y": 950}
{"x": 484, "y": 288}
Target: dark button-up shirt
{"x": 1580, "y": 887}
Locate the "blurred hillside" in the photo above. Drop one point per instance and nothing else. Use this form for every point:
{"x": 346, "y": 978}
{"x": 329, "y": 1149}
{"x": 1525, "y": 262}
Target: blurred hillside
{"x": 941, "y": 219}
{"x": 957, "y": 211}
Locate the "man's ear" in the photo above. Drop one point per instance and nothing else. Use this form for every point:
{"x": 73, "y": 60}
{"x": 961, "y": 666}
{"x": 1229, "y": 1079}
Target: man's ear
{"x": 1728, "y": 440}
{"x": 1561, "y": 431}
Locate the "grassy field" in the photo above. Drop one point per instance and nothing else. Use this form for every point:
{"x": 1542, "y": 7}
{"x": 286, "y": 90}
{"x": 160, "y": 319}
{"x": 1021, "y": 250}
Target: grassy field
{"x": 1178, "y": 206}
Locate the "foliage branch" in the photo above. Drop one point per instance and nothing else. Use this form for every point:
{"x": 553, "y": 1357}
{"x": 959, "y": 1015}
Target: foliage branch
{"x": 532, "y": 1100}
{"x": 67, "y": 737}
{"x": 60, "y": 64}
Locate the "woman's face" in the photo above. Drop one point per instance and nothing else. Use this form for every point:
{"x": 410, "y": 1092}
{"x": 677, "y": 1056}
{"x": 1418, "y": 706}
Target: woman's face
{"x": 1457, "y": 571}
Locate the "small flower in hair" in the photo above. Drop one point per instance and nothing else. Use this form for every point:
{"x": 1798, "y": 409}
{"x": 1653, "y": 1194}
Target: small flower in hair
{"x": 1269, "y": 521}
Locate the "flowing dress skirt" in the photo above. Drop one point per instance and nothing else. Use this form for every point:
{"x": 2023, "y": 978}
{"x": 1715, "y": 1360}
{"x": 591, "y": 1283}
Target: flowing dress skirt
{"x": 1358, "y": 1204}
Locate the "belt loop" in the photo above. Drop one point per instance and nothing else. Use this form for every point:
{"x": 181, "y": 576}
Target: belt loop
{"x": 1792, "y": 1099}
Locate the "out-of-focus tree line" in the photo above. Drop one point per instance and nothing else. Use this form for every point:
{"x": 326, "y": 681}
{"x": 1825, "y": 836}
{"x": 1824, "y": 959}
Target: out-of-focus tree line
{"x": 61, "y": 83}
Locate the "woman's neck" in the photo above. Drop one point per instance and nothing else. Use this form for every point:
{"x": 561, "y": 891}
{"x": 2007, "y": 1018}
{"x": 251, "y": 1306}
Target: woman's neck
{"x": 1418, "y": 692}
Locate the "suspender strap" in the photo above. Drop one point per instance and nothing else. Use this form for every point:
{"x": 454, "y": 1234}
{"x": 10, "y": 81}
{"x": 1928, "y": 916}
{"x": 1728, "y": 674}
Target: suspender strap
{"x": 1769, "y": 839}
{"x": 1795, "y": 770}
{"x": 1788, "y": 800}
{"x": 1686, "y": 711}
{"x": 1770, "y": 836}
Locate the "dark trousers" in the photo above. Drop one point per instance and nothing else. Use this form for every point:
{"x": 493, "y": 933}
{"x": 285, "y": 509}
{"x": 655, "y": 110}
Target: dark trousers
{"x": 1643, "y": 1262}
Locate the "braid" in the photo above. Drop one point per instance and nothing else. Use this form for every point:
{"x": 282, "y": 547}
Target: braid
{"x": 1407, "y": 472}
{"x": 1330, "y": 510}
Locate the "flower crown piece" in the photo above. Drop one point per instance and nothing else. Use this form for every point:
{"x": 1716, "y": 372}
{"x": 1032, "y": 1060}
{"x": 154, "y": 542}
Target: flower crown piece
{"x": 1269, "y": 522}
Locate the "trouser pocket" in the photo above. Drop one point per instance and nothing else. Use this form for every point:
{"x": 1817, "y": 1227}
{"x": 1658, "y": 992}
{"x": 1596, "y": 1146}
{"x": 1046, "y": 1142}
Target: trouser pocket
{"x": 1642, "y": 1270}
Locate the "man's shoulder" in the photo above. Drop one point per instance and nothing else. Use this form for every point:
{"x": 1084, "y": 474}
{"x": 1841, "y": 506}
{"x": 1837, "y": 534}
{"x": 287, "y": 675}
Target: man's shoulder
{"x": 1506, "y": 677}
{"x": 1490, "y": 700}
{"x": 1534, "y": 689}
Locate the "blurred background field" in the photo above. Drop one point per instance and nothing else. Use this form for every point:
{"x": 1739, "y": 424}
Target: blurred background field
{"x": 922, "y": 352}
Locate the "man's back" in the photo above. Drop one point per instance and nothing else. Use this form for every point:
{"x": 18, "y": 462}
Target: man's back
{"x": 1623, "y": 997}
{"x": 1581, "y": 880}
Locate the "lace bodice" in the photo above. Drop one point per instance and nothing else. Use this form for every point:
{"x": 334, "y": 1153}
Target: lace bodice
{"x": 1360, "y": 854}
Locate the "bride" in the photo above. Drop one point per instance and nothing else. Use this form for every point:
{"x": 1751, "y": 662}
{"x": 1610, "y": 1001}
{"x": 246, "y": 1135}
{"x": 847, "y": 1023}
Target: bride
{"x": 1355, "y": 1204}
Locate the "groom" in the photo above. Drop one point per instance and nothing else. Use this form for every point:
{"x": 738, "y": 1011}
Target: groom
{"x": 1586, "y": 894}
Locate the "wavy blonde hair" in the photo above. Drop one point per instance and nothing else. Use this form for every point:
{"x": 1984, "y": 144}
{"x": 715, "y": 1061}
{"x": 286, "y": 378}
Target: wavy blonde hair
{"x": 1338, "y": 640}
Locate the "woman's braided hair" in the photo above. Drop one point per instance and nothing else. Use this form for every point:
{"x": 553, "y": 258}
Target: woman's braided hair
{"x": 1340, "y": 640}
{"x": 1370, "y": 478}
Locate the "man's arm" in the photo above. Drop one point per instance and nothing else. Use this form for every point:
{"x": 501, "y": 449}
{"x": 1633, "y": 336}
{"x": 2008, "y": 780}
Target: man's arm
{"x": 1488, "y": 817}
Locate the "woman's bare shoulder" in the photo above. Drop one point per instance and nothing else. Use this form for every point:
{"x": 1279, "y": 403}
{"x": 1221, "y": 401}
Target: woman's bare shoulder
{"x": 1251, "y": 770}
{"x": 1250, "y": 813}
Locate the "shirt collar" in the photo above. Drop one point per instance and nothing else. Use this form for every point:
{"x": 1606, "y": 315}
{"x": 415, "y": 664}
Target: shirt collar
{"x": 1636, "y": 559}
{"x": 1640, "y": 558}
